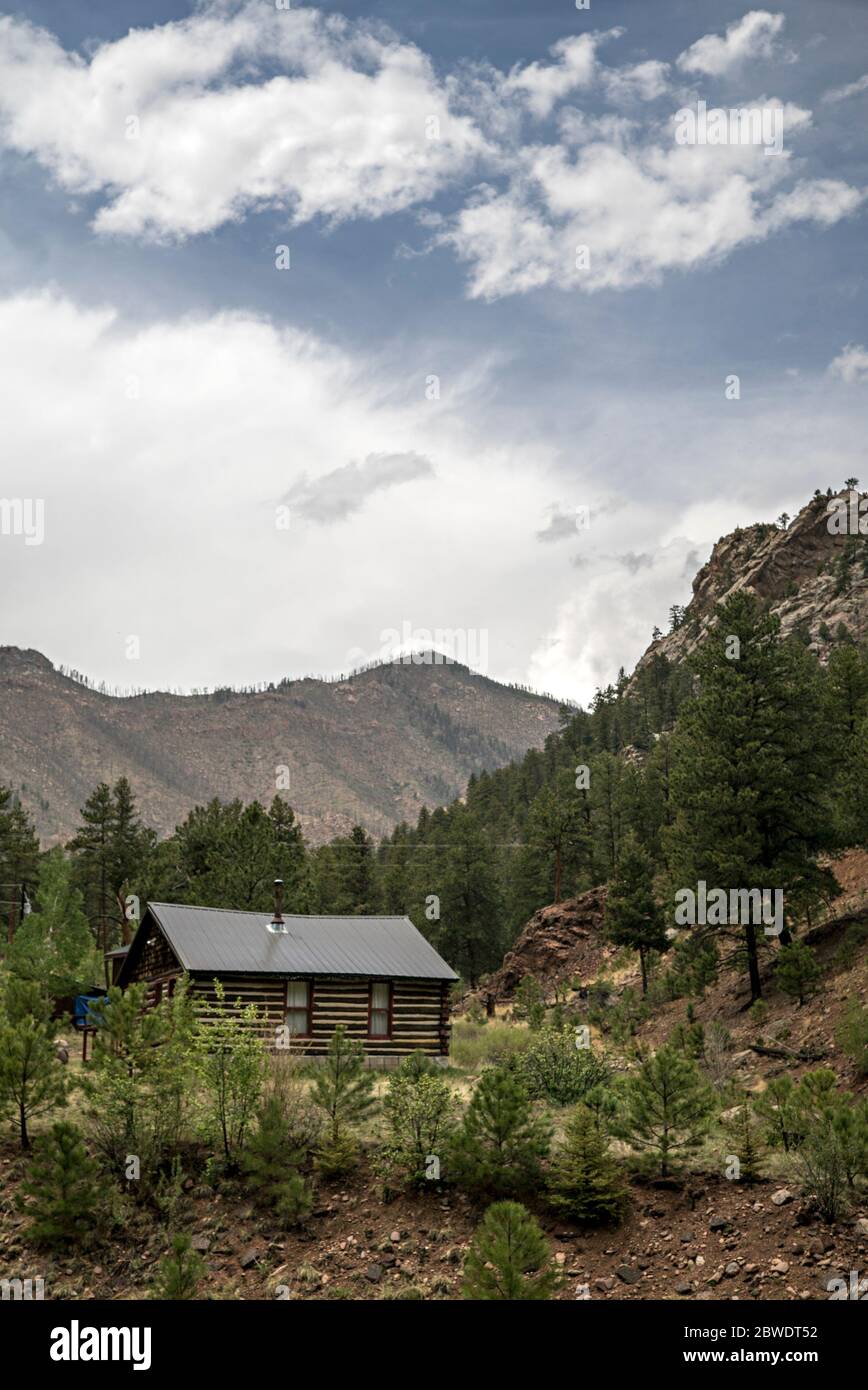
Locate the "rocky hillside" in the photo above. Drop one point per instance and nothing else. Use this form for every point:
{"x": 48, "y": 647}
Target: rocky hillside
{"x": 812, "y": 579}
{"x": 372, "y": 749}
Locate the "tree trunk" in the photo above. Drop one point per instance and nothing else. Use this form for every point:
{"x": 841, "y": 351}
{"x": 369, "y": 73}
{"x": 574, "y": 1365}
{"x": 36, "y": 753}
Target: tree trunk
{"x": 644, "y": 970}
{"x": 756, "y": 991}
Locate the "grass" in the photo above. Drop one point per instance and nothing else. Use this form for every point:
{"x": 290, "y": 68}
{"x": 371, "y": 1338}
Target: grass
{"x": 476, "y": 1044}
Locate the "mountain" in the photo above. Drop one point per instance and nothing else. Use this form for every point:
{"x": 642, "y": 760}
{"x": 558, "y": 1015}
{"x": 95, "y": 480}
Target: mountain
{"x": 371, "y": 749}
{"x": 811, "y": 577}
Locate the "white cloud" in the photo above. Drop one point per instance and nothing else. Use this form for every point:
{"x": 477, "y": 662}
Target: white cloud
{"x": 542, "y": 85}
{"x": 752, "y": 36}
{"x": 643, "y": 82}
{"x": 851, "y": 364}
{"x": 852, "y": 89}
{"x": 641, "y": 207}
{"x": 187, "y": 125}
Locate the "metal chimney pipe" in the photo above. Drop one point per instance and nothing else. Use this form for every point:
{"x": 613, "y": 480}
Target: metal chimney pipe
{"x": 277, "y": 919}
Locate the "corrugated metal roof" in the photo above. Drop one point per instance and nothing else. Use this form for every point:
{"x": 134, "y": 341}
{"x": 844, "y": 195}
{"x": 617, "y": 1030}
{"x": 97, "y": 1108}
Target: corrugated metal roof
{"x": 219, "y": 939}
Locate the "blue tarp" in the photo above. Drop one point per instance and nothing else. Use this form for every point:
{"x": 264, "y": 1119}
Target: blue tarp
{"x": 81, "y": 1014}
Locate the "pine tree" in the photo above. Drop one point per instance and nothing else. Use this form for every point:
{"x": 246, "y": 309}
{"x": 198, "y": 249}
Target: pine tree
{"x": 469, "y": 933}
{"x": 666, "y": 1104}
{"x": 585, "y": 1183}
{"x": 180, "y": 1272}
{"x": 62, "y": 1187}
{"x": 750, "y": 767}
{"x": 19, "y": 859}
{"x": 53, "y": 946}
{"x": 557, "y": 827}
{"x": 747, "y": 1143}
{"x": 508, "y": 1259}
{"x": 501, "y": 1142}
{"x": 343, "y": 1088}
{"x": 798, "y": 970}
{"x": 268, "y": 1160}
{"x": 31, "y": 1078}
{"x": 93, "y": 856}
{"x": 633, "y": 917}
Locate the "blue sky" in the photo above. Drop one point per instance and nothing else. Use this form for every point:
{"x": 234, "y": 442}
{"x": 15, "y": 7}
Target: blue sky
{"x": 249, "y": 472}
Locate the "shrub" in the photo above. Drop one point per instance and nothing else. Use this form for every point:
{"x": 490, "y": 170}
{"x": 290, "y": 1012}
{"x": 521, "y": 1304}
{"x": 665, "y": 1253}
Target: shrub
{"x": 343, "y": 1088}
{"x": 138, "y": 1086}
{"x": 337, "y": 1156}
{"x": 823, "y": 1170}
{"x": 179, "y": 1273}
{"x": 268, "y": 1159}
{"x": 585, "y": 1183}
{"x": 666, "y": 1105}
{"x": 852, "y": 1036}
{"x": 798, "y": 971}
{"x": 501, "y": 1142}
{"x": 231, "y": 1064}
{"x": 778, "y": 1109}
{"x": 63, "y": 1189}
{"x": 508, "y": 1258}
{"x": 419, "y": 1109}
{"x": 474, "y": 1046}
{"x": 294, "y": 1201}
{"x": 746, "y": 1141}
{"x": 555, "y": 1069}
{"x": 530, "y": 1005}
{"x": 31, "y": 1077}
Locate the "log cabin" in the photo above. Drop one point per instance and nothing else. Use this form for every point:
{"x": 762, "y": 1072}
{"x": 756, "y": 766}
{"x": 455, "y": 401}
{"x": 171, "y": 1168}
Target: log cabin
{"x": 377, "y": 976}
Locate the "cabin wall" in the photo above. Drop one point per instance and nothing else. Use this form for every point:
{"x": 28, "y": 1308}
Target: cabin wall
{"x": 420, "y": 1013}
{"x": 157, "y": 964}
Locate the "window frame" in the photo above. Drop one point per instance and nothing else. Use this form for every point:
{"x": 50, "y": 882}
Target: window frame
{"x": 308, "y": 1033}
{"x": 388, "y": 1011}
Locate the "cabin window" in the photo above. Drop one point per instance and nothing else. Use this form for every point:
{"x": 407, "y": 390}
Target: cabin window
{"x": 381, "y": 1010}
{"x": 298, "y": 1008}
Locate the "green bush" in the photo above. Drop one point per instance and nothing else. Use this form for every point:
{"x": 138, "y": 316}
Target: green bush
{"x": 501, "y": 1141}
{"x": 419, "y": 1109}
{"x": 508, "y": 1259}
{"x": 798, "y": 971}
{"x": 585, "y": 1182}
{"x": 343, "y": 1089}
{"x": 852, "y": 1036}
{"x": 555, "y": 1069}
{"x": 63, "y": 1189}
{"x": 179, "y": 1273}
{"x": 665, "y": 1106}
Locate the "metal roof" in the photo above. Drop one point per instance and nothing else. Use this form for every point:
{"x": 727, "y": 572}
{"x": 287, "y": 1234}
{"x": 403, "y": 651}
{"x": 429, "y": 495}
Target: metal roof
{"x": 222, "y": 940}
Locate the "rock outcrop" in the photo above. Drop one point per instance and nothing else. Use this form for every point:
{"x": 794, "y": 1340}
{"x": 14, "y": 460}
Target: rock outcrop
{"x": 559, "y": 943}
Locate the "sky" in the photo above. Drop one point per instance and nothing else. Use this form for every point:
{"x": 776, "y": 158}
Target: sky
{"x": 329, "y": 333}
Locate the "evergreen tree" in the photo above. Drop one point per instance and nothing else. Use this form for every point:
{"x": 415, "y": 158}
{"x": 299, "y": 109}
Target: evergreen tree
{"x": 633, "y": 917}
{"x": 180, "y": 1272}
{"x": 750, "y": 768}
{"x": 557, "y": 827}
{"x": 31, "y": 1077}
{"x": 92, "y": 851}
{"x": 19, "y": 858}
{"x": 270, "y": 1160}
{"x": 62, "y": 1188}
{"x": 747, "y": 1143}
{"x": 585, "y": 1183}
{"x": 501, "y": 1142}
{"x": 508, "y": 1259}
{"x": 666, "y": 1105}
{"x": 355, "y": 873}
{"x": 53, "y": 946}
{"x": 798, "y": 970}
{"x": 344, "y": 1089}
{"x": 469, "y": 935}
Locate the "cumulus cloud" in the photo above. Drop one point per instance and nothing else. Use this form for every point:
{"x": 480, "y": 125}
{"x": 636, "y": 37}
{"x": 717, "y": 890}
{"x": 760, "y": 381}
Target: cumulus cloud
{"x": 177, "y": 129}
{"x": 851, "y": 364}
{"x": 752, "y": 36}
{"x": 343, "y": 491}
{"x": 187, "y": 125}
{"x": 614, "y": 215}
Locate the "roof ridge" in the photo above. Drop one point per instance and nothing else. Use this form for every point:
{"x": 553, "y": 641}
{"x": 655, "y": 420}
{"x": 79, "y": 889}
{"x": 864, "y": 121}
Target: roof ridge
{"x": 295, "y": 916}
